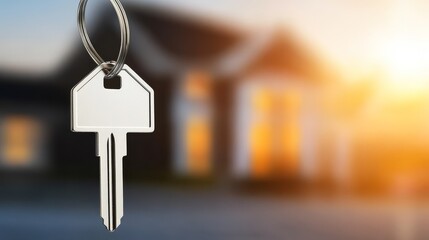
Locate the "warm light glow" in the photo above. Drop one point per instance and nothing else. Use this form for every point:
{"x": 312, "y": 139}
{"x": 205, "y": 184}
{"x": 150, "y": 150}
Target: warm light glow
{"x": 406, "y": 62}
{"x": 290, "y": 132}
{"x": 261, "y": 134}
{"x": 261, "y": 147}
{"x": 402, "y": 50}
{"x": 199, "y": 149}
{"x": 19, "y": 137}
{"x": 275, "y": 132}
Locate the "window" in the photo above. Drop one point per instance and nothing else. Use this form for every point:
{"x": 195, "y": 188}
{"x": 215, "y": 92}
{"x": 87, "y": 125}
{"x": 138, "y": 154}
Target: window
{"x": 193, "y": 122}
{"x": 20, "y": 141}
{"x": 275, "y": 132}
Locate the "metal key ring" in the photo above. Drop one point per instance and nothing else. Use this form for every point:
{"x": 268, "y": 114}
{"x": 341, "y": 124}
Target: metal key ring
{"x": 125, "y": 37}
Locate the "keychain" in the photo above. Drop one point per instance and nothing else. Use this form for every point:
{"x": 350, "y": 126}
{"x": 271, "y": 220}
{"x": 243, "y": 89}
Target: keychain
{"x": 111, "y": 113}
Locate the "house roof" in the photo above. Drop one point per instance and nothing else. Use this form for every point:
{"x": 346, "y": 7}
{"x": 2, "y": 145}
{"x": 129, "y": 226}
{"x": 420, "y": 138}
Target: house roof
{"x": 184, "y": 37}
{"x": 169, "y": 42}
{"x": 166, "y": 43}
{"x": 285, "y": 53}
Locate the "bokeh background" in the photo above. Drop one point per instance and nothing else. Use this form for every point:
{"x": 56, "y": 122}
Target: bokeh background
{"x": 274, "y": 120}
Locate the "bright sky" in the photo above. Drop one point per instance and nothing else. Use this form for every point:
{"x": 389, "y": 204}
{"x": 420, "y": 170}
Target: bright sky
{"x": 37, "y": 35}
{"x": 34, "y": 33}
{"x": 356, "y": 34}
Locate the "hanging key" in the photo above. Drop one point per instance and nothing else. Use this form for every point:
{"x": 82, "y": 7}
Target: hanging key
{"x": 112, "y": 113}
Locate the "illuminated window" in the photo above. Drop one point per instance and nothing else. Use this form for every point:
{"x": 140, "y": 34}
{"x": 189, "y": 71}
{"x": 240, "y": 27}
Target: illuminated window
{"x": 275, "y": 132}
{"x": 261, "y": 135}
{"x": 198, "y": 147}
{"x": 261, "y": 150}
{"x": 193, "y": 125}
{"x": 290, "y": 132}
{"x": 19, "y": 139}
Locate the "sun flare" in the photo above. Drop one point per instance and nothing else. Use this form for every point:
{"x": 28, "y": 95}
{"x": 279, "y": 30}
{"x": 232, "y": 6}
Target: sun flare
{"x": 405, "y": 61}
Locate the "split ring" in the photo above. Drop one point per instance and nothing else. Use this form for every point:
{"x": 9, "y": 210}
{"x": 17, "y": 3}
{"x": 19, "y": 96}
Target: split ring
{"x": 125, "y": 37}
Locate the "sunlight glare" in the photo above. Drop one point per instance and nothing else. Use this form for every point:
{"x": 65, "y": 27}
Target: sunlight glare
{"x": 405, "y": 61}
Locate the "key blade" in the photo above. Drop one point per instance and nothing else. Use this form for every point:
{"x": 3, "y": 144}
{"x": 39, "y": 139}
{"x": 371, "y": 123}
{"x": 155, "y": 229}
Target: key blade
{"x": 111, "y": 178}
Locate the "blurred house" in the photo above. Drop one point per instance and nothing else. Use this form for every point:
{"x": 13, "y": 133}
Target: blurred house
{"x": 228, "y": 103}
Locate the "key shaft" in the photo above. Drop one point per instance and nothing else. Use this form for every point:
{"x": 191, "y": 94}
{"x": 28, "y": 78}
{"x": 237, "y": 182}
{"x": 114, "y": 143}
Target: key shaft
{"x": 111, "y": 150}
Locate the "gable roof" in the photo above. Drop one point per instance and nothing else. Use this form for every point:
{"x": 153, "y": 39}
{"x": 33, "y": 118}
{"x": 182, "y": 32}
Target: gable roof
{"x": 167, "y": 43}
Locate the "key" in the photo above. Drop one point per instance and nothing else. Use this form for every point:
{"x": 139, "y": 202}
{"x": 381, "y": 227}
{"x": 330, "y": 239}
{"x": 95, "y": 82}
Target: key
{"x": 112, "y": 113}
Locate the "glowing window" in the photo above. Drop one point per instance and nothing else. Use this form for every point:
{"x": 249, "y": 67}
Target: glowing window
{"x": 275, "y": 132}
{"x": 19, "y": 139}
{"x": 197, "y": 89}
{"x": 261, "y": 147}
{"x": 198, "y": 146}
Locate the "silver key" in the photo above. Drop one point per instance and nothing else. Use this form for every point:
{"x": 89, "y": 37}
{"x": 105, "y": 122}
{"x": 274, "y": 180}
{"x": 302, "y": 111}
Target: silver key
{"x": 112, "y": 113}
